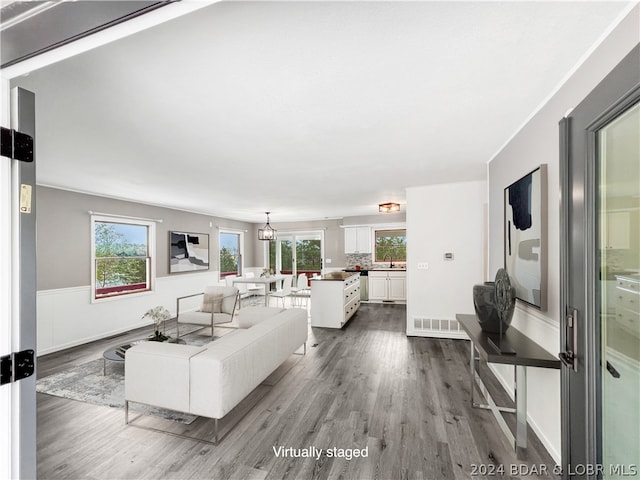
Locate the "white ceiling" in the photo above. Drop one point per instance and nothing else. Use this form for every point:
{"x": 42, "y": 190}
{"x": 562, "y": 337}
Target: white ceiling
{"x": 307, "y": 109}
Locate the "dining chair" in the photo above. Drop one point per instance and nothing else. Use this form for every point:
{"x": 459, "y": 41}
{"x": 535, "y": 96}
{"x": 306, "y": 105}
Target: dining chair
{"x": 285, "y": 291}
{"x": 301, "y": 290}
{"x": 254, "y": 289}
{"x": 243, "y": 290}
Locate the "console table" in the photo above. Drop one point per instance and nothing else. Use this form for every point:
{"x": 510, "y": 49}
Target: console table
{"x": 527, "y": 354}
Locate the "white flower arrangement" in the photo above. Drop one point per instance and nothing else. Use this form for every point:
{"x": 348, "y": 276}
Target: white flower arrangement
{"x": 159, "y": 315}
{"x": 267, "y": 272}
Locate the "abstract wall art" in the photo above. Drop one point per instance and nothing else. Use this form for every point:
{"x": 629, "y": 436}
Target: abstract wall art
{"x": 525, "y": 236}
{"x": 188, "y": 252}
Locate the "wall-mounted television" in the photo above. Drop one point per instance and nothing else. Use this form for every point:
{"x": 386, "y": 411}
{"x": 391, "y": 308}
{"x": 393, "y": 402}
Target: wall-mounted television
{"x": 525, "y": 236}
{"x": 188, "y": 252}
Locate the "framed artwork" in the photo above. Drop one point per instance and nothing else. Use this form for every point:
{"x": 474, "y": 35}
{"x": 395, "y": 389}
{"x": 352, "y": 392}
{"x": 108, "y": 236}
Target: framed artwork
{"x": 188, "y": 252}
{"x": 525, "y": 236}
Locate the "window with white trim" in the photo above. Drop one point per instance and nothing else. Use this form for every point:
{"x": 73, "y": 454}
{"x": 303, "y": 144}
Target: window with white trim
{"x": 122, "y": 253}
{"x": 231, "y": 249}
{"x": 390, "y": 245}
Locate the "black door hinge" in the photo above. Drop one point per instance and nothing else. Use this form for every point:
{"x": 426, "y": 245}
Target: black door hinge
{"x": 17, "y": 366}
{"x": 16, "y": 145}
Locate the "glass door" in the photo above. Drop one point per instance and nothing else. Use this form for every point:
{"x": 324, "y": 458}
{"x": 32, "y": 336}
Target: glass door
{"x": 297, "y": 252}
{"x": 618, "y": 182}
{"x": 600, "y": 277}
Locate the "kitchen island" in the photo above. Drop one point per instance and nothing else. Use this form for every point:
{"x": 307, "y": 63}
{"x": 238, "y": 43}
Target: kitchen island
{"x": 335, "y": 298}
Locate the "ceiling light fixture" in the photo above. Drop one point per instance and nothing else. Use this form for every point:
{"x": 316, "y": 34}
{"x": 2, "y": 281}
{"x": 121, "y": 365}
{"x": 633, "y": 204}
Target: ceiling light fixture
{"x": 389, "y": 207}
{"x": 266, "y": 232}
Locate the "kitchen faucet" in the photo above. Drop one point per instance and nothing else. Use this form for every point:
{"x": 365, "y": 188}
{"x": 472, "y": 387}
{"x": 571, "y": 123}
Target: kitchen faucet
{"x": 390, "y": 259}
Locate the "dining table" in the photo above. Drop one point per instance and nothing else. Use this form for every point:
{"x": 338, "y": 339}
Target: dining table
{"x": 261, "y": 281}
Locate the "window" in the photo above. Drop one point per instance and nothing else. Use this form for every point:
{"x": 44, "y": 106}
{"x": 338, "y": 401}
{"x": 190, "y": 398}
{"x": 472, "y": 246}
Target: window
{"x": 391, "y": 245}
{"x": 122, "y": 256}
{"x": 231, "y": 247}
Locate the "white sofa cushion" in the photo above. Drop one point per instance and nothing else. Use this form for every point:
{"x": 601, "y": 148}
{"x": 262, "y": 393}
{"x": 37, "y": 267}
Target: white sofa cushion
{"x": 203, "y": 318}
{"x": 158, "y": 374}
{"x": 229, "y": 295}
{"x": 248, "y": 317}
{"x": 212, "y": 302}
{"x": 234, "y": 365}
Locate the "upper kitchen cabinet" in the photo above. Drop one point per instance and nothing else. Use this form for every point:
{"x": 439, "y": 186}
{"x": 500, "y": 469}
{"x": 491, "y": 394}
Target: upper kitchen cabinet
{"x": 357, "y": 240}
{"x": 618, "y": 230}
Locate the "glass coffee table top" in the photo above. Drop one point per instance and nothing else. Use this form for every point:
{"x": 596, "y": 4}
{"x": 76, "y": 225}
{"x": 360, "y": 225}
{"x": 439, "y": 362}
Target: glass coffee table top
{"x": 117, "y": 353}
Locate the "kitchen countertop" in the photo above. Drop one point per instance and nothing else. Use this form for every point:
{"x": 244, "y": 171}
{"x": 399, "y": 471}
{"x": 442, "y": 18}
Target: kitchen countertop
{"x": 335, "y": 276}
{"x": 365, "y": 271}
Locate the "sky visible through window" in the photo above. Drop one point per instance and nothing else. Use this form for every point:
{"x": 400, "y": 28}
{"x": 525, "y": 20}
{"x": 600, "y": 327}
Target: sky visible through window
{"x": 229, "y": 241}
{"x": 133, "y": 234}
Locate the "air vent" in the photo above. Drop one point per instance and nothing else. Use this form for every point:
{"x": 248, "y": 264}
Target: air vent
{"x": 437, "y": 327}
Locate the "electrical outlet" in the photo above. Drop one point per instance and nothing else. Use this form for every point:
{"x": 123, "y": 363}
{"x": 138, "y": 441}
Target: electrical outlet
{"x": 423, "y": 266}
{"x": 327, "y": 260}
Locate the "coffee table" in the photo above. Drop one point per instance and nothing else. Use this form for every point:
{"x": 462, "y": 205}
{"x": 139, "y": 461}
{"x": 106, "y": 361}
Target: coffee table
{"x": 112, "y": 354}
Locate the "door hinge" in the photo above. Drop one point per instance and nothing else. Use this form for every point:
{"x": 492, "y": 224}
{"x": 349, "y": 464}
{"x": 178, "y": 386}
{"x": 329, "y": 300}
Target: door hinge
{"x": 16, "y": 145}
{"x": 17, "y": 366}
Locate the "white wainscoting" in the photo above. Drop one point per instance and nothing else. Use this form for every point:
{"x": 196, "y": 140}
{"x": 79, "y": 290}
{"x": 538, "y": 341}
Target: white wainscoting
{"x": 66, "y": 316}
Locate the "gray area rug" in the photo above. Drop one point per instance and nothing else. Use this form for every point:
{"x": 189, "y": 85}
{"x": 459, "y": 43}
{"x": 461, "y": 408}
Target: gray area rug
{"x": 86, "y": 383}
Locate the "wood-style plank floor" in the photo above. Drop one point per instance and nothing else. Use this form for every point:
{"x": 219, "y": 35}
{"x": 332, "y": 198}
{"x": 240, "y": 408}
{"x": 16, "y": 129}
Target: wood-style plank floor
{"x": 369, "y": 386}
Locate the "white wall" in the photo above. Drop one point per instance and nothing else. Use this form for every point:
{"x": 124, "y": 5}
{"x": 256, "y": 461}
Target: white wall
{"x": 444, "y": 218}
{"x": 538, "y": 142}
{"x": 66, "y": 316}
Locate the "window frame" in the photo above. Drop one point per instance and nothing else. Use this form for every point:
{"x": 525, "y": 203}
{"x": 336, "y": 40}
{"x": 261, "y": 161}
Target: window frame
{"x": 240, "y": 234}
{"x": 387, "y": 229}
{"x": 151, "y": 254}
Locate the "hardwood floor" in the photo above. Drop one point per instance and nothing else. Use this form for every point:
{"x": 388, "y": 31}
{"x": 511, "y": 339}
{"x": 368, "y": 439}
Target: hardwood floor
{"x": 404, "y": 400}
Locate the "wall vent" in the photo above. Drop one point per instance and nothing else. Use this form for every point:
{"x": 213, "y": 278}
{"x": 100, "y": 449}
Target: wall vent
{"x": 437, "y": 327}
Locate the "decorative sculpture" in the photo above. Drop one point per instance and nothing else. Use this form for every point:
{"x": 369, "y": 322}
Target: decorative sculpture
{"x": 494, "y": 303}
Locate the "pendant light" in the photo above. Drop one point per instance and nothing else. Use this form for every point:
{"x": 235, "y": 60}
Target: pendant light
{"x": 266, "y": 232}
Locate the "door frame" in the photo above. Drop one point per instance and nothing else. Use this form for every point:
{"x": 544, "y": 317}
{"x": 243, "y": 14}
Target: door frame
{"x": 611, "y": 97}
{"x": 6, "y": 299}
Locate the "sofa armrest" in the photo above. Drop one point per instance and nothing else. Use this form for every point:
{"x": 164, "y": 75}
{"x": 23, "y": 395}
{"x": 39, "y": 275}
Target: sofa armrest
{"x": 158, "y": 374}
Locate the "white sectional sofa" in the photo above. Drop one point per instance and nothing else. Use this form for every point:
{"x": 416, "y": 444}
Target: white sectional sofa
{"x": 211, "y": 380}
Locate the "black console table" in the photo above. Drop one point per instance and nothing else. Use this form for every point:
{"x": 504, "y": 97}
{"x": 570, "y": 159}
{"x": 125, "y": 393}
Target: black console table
{"x": 527, "y": 354}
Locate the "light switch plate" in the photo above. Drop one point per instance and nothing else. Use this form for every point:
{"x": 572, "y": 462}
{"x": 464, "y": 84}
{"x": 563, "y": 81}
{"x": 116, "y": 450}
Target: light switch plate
{"x": 423, "y": 266}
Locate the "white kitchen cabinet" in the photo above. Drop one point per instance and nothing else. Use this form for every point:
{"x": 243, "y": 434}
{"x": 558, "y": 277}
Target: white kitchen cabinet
{"x": 377, "y": 286}
{"x": 618, "y": 230}
{"x": 357, "y": 240}
{"x": 387, "y": 285}
{"x": 628, "y": 303}
{"x": 335, "y": 298}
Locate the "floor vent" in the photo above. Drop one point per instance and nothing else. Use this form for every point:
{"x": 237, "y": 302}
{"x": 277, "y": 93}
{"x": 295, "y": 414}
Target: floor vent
{"x": 439, "y": 327}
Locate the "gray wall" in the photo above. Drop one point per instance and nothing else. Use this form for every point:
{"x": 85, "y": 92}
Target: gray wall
{"x": 333, "y": 239}
{"x": 538, "y": 142}
{"x": 64, "y": 234}
{"x": 333, "y": 234}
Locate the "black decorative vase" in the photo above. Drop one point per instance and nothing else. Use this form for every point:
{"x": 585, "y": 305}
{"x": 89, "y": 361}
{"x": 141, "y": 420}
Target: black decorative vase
{"x": 493, "y": 301}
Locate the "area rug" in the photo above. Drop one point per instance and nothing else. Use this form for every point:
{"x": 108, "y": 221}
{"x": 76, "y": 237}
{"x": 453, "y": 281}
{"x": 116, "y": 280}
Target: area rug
{"x": 86, "y": 383}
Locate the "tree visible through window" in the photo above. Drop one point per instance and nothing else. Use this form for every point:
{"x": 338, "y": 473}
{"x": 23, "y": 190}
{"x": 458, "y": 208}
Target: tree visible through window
{"x": 391, "y": 245}
{"x": 122, "y": 260}
{"x": 230, "y": 254}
